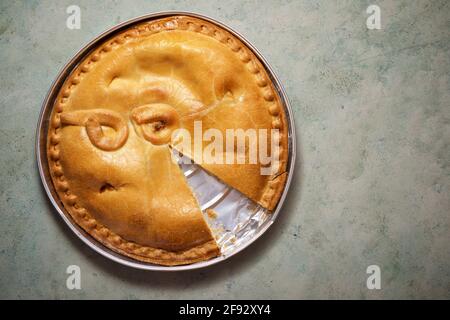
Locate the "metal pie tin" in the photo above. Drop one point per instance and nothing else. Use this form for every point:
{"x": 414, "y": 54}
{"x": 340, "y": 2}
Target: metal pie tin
{"x": 254, "y": 220}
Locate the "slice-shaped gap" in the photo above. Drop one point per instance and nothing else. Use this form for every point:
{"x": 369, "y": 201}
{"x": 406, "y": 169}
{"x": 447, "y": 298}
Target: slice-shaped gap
{"x": 237, "y": 218}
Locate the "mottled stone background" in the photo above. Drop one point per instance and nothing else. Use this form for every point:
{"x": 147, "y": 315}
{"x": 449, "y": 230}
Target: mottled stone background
{"x": 372, "y": 111}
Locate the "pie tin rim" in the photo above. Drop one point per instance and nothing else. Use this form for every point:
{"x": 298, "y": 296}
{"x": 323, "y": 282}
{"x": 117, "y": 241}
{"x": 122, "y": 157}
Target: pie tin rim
{"x": 41, "y": 144}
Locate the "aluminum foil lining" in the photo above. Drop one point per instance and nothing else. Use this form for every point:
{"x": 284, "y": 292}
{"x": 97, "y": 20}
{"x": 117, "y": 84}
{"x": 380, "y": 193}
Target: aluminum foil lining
{"x": 235, "y": 218}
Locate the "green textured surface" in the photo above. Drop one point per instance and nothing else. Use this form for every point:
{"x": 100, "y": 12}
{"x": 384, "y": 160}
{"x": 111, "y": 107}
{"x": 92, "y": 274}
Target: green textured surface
{"x": 372, "y": 110}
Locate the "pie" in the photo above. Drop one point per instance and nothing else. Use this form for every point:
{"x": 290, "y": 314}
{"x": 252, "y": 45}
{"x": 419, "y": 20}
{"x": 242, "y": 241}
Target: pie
{"x": 109, "y": 148}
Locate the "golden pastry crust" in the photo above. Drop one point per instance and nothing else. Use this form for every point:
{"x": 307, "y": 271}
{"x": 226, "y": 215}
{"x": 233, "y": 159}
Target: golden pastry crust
{"x": 77, "y": 112}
